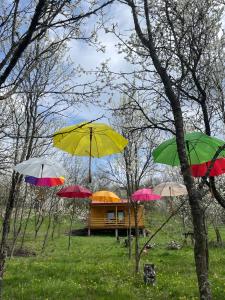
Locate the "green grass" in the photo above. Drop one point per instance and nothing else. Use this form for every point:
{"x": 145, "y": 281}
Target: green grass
{"x": 98, "y": 267}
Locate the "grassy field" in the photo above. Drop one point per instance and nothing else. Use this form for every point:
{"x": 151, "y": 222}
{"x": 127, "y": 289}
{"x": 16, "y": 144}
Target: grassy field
{"x": 98, "y": 268}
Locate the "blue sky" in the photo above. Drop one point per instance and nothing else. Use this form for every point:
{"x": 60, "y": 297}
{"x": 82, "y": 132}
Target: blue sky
{"x": 89, "y": 58}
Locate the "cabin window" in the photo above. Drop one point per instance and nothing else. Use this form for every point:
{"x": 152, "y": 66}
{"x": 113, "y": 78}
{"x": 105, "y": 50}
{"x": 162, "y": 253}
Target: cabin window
{"x": 110, "y": 215}
{"x": 120, "y": 215}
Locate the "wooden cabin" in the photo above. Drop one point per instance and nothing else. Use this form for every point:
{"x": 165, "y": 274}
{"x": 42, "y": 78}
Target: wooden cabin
{"x": 113, "y": 215}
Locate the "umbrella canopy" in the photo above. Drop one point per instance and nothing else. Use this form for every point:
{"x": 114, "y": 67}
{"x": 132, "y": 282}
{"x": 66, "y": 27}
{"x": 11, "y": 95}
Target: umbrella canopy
{"x": 145, "y": 195}
{"x": 200, "y": 170}
{"x": 74, "y": 191}
{"x": 199, "y": 147}
{"x": 89, "y": 139}
{"x": 104, "y": 196}
{"x": 170, "y": 189}
{"x": 40, "y": 168}
{"x": 45, "y": 181}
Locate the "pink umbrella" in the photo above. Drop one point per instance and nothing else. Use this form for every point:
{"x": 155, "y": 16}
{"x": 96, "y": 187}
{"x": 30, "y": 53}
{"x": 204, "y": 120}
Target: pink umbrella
{"x": 145, "y": 195}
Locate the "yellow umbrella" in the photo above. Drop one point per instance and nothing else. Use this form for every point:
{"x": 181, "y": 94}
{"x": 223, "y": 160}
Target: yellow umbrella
{"x": 89, "y": 139}
{"x": 104, "y": 196}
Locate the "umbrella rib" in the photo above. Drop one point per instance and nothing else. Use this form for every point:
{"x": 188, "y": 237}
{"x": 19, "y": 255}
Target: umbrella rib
{"x": 110, "y": 140}
{"x": 174, "y": 158}
{"x": 75, "y": 148}
{"x": 164, "y": 186}
{"x": 96, "y": 143}
{"x": 203, "y": 142}
{"x": 120, "y": 150}
{"x": 193, "y": 148}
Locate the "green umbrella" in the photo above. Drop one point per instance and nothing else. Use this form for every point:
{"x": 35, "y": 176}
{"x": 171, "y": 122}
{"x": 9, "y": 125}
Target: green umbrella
{"x": 200, "y": 148}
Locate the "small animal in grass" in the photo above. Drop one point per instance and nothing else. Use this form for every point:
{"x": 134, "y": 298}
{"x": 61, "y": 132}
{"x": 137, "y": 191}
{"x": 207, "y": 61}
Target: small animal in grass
{"x": 150, "y": 246}
{"x": 149, "y": 274}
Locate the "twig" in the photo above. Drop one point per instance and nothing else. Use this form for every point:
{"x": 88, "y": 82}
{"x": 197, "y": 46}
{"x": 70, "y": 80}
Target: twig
{"x": 204, "y": 178}
{"x": 163, "y": 224}
{"x": 54, "y": 134}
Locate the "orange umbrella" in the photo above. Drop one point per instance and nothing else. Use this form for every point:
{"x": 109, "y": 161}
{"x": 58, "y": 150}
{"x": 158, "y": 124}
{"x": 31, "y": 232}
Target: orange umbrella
{"x": 104, "y": 196}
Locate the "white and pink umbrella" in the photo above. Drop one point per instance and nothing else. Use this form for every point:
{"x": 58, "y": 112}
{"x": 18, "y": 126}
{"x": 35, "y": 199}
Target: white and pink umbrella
{"x": 170, "y": 189}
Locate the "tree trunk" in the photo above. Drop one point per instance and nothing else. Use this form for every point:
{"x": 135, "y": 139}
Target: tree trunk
{"x": 219, "y": 240}
{"x": 200, "y": 249}
{"x": 137, "y": 257}
{"x": 6, "y": 222}
{"x": 54, "y": 225}
{"x": 129, "y": 230}
{"x": 39, "y": 216}
{"x": 26, "y": 224}
{"x": 49, "y": 225}
{"x": 71, "y": 224}
{"x": 17, "y": 230}
{"x": 129, "y": 192}
{"x": 200, "y": 234}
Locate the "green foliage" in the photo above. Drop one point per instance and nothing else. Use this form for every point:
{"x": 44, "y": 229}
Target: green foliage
{"x": 98, "y": 267}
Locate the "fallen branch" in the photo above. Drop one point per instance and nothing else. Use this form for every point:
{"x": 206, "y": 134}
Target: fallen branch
{"x": 163, "y": 224}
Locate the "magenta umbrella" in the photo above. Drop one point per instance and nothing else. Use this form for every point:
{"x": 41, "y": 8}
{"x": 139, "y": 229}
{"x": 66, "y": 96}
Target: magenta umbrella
{"x": 145, "y": 195}
{"x": 74, "y": 191}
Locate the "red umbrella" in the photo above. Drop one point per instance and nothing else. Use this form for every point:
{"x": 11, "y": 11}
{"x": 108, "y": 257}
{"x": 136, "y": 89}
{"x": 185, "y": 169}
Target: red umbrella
{"x": 74, "y": 191}
{"x": 145, "y": 195}
{"x": 201, "y": 169}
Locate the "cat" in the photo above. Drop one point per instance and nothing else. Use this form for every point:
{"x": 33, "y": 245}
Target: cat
{"x": 149, "y": 274}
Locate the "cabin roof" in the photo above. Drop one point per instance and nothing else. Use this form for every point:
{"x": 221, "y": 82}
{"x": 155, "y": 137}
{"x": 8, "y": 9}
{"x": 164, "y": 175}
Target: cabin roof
{"x": 123, "y": 202}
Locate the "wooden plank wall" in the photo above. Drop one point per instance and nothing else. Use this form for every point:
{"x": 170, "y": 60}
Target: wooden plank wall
{"x": 98, "y": 217}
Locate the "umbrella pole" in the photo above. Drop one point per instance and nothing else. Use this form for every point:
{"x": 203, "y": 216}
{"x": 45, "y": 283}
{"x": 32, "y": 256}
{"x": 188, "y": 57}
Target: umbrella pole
{"x": 170, "y": 201}
{"x": 129, "y": 226}
{"x": 71, "y": 223}
{"x": 89, "y": 175}
{"x": 42, "y": 167}
{"x": 90, "y": 155}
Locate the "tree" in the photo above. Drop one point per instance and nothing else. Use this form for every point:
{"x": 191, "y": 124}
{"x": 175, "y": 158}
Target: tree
{"x": 33, "y": 117}
{"x": 23, "y": 23}
{"x": 152, "y": 41}
{"x": 131, "y": 170}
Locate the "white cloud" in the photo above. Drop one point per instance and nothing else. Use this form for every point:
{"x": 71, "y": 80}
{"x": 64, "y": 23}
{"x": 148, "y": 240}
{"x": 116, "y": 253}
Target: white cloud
{"x": 89, "y": 58}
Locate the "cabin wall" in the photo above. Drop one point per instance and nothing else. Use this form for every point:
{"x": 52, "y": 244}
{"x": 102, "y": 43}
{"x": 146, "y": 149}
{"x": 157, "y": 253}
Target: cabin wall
{"x": 99, "y": 218}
